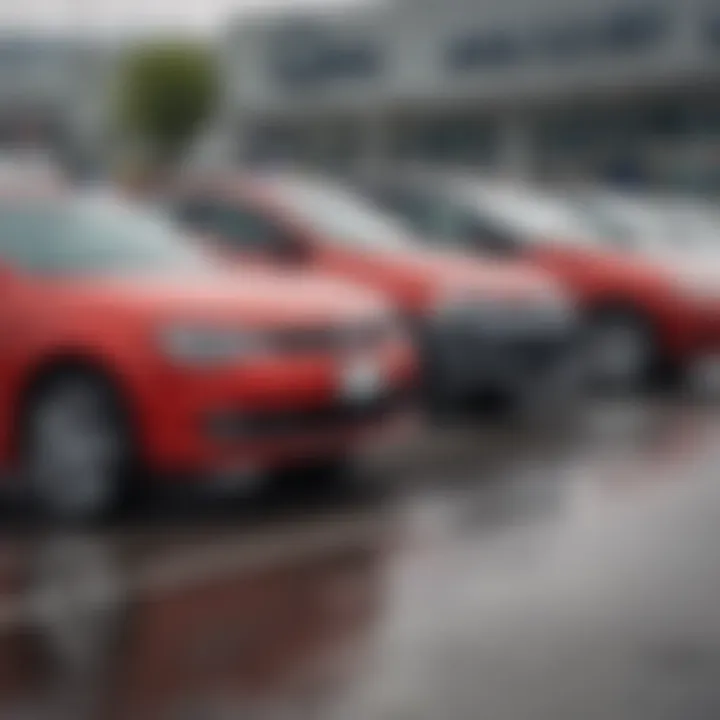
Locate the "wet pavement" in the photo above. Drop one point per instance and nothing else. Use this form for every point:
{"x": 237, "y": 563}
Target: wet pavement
{"x": 501, "y": 574}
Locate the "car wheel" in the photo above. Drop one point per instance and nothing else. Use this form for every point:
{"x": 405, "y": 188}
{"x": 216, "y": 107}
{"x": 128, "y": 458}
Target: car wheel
{"x": 619, "y": 351}
{"x": 75, "y": 449}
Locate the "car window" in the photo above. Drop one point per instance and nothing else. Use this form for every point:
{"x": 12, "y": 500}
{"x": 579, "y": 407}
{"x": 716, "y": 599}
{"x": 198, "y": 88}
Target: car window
{"x": 234, "y": 225}
{"x": 423, "y": 216}
{"x": 342, "y": 216}
{"x": 243, "y": 228}
{"x": 434, "y": 217}
{"x": 486, "y": 235}
{"x": 194, "y": 214}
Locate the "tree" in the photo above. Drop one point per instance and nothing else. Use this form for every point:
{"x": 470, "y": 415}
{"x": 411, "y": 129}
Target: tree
{"x": 167, "y": 90}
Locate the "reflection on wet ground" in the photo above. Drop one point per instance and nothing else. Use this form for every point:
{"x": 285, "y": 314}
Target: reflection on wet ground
{"x": 190, "y": 626}
{"x": 505, "y": 575}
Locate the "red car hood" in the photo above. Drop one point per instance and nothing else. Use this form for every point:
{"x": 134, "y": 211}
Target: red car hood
{"x": 633, "y": 267}
{"x": 444, "y": 272}
{"x": 253, "y": 297}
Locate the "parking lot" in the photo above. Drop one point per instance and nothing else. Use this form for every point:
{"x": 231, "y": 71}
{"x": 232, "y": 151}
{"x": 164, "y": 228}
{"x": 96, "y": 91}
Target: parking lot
{"x": 499, "y": 573}
{"x": 359, "y": 361}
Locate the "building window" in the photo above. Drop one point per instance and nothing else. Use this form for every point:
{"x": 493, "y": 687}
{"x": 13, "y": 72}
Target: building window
{"x": 618, "y": 31}
{"x": 456, "y": 139}
{"x": 621, "y": 31}
{"x": 566, "y": 42}
{"x": 712, "y": 29}
{"x": 306, "y": 55}
{"x": 668, "y": 120}
{"x": 353, "y": 61}
{"x": 274, "y": 144}
{"x": 482, "y": 50}
{"x": 632, "y": 29}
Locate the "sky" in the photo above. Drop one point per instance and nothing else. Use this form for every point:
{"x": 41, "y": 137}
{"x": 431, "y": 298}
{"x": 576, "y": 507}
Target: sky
{"x": 109, "y": 15}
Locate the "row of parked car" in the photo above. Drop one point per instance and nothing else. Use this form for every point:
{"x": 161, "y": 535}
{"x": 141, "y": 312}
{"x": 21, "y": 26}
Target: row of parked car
{"x": 643, "y": 273}
{"x": 241, "y": 323}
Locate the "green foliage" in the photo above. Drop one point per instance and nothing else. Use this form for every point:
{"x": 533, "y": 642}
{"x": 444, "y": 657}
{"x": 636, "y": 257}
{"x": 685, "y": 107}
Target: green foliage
{"x": 167, "y": 91}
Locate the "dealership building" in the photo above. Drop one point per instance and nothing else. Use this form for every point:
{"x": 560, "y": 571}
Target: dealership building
{"x": 620, "y": 90}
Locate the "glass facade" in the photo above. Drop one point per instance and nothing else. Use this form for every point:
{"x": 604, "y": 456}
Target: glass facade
{"x": 303, "y": 56}
{"x": 484, "y": 50}
{"x": 461, "y": 138}
{"x": 621, "y": 91}
{"x": 618, "y": 31}
{"x": 668, "y": 142}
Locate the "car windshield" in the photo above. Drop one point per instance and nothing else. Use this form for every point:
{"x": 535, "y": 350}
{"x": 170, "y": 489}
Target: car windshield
{"x": 689, "y": 226}
{"x": 655, "y": 225}
{"x": 92, "y": 236}
{"x": 532, "y": 215}
{"x": 342, "y": 216}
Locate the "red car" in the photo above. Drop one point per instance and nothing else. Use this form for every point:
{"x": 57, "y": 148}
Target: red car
{"x": 124, "y": 345}
{"x": 481, "y": 325}
{"x": 649, "y": 313}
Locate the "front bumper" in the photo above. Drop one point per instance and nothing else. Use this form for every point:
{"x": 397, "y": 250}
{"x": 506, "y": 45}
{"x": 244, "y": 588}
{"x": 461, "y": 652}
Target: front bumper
{"x": 687, "y": 331}
{"x": 510, "y": 354}
{"x": 272, "y": 415}
{"x": 700, "y": 331}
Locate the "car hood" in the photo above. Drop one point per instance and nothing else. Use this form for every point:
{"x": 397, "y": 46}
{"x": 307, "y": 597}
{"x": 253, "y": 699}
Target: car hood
{"x": 253, "y": 297}
{"x": 440, "y": 273}
{"x": 702, "y": 263}
{"x": 627, "y": 268}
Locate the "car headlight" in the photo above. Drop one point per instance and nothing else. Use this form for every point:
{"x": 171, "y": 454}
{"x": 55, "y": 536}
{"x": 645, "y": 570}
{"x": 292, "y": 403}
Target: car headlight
{"x": 201, "y": 345}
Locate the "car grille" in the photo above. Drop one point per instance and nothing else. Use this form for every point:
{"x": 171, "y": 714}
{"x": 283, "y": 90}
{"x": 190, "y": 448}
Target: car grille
{"x": 469, "y": 356}
{"x": 336, "y": 416}
{"x": 300, "y": 341}
{"x": 540, "y": 354}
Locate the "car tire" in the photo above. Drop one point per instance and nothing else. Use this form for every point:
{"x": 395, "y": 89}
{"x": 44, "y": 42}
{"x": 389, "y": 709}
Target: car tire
{"x": 620, "y": 351}
{"x": 76, "y": 451}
